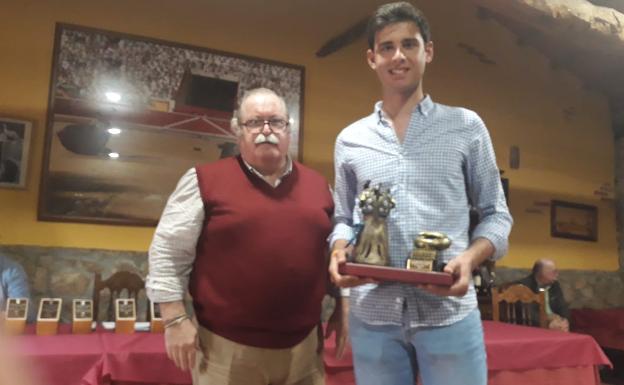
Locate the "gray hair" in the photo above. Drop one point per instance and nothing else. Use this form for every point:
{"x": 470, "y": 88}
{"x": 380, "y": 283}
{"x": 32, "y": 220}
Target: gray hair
{"x": 236, "y": 116}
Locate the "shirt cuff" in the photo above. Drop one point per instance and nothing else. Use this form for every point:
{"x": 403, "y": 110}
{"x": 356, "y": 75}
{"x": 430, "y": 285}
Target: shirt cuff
{"x": 341, "y": 231}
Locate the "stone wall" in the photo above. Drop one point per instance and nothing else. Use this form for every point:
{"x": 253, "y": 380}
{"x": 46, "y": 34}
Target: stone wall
{"x": 69, "y": 273}
{"x": 581, "y": 288}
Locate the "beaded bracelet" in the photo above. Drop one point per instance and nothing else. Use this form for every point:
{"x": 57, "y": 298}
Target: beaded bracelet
{"x": 176, "y": 320}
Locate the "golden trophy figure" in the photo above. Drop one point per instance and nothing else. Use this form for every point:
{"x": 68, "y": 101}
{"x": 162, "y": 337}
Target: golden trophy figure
{"x": 372, "y": 245}
{"x": 371, "y": 256}
{"x": 426, "y": 247}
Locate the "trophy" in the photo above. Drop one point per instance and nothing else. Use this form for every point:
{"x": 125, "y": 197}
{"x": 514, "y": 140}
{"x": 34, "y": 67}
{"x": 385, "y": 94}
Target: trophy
{"x": 16, "y": 314}
{"x": 371, "y": 252}
{"x": 156, "y": 322}
{"x": 125, "y": 315}
{"x": 82, "y": 316}
{"x": 372, "y": 245}
{"x": 426, "y": 247}
{"x": 48, "y": 316}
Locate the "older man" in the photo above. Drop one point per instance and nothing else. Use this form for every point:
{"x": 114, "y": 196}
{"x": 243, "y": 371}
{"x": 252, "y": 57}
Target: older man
{"x": 247, "y": 236}
{"x": 544, "y": 277}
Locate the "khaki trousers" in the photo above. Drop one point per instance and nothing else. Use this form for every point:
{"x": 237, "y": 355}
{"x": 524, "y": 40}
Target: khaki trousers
{"x": 224, "y": 362}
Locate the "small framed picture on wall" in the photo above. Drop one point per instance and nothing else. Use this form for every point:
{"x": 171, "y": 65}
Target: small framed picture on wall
{"x": 573, "y": 221}
{"x": 14, "y": 147}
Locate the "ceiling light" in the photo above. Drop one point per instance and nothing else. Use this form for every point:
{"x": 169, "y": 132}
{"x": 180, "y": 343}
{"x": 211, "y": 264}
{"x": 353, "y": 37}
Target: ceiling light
{"x": 113, "y": 96}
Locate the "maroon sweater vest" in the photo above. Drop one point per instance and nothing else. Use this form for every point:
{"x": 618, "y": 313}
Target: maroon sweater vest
{"x": 260, "y": 272}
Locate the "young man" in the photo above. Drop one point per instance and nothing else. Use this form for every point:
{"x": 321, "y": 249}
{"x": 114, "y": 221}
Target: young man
{"x": 247, "y": 236}
{"x": 437, "y": 161}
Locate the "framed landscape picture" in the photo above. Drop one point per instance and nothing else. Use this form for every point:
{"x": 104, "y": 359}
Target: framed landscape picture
{"x": 573, "y": 221}
{"x": 128, "y": 115}
{"x": 14, "y": 148}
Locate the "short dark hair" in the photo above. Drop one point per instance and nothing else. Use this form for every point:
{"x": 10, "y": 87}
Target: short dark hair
{"x": 395, "y": 13}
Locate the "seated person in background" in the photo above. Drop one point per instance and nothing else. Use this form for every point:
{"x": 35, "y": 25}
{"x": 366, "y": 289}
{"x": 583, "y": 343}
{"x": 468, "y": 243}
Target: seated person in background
{"x": 544, "y": 278}
{"x": 13, "y": 282}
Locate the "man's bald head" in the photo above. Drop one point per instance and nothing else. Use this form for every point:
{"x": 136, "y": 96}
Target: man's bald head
{"x": 545, "y": 271}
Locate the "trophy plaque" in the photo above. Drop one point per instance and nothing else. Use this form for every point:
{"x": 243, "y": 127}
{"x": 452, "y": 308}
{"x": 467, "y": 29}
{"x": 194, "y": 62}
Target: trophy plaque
{"x": 125, "y": 315}
{"x": 48, "y": 316}
{"x": 371, "y": 255}
{"x": 16, "y": 314}
{"x": 156, "y": 322}
{"x": 82, "y": 316}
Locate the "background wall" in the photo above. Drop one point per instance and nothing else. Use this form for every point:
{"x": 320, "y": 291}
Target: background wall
{"x": 561, "y": 127}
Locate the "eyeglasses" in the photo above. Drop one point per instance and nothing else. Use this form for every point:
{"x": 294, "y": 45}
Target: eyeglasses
{"x": 258, "y": 124}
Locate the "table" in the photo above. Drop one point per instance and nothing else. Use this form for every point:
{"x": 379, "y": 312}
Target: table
{"x": 605, "y": 325}
{"x": 607, "y": 328}
{"x": 98, "y": 358}
{"x": 516, "y": 355}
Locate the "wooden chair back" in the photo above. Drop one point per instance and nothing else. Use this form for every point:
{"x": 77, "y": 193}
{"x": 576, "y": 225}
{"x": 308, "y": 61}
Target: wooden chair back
{"x": 518, "y": 304}
{"x": 122, "y": 284}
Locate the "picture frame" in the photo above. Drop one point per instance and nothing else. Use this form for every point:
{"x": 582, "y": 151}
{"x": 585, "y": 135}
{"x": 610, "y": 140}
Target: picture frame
{"x": 15, "y": 137}
{"x": 573, "y": 221}
{"x": 129, "y": 115}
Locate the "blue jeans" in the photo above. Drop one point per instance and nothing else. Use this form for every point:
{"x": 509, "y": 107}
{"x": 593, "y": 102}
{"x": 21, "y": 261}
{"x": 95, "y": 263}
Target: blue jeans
{"x": 395, "y": 355}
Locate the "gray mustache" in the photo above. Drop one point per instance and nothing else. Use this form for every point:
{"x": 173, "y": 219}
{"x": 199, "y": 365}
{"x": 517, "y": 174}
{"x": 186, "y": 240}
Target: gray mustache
{"x": 272, "y": 138}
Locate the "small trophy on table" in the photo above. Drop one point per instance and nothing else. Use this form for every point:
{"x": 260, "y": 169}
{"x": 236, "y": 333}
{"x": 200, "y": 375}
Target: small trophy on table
{"x": 371, "y": 252}
{"x": 82, "y": 316}
{"x": 15, "y": 315}
{"x": 48, "y": 316}
{"x": 125, "y": 315}
{"x": 156, "y": 322}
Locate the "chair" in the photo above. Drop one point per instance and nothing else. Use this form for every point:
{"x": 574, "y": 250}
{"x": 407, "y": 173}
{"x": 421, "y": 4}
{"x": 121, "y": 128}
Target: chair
{"x": 116, "y": 284}
{"x": 483, "y": 277}
{"x": 519, "y": 305}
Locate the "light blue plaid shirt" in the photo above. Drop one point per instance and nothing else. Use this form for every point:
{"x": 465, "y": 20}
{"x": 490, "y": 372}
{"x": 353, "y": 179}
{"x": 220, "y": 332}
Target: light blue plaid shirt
{"x": 13, "y": 282}
{"x": 445, "y": 165}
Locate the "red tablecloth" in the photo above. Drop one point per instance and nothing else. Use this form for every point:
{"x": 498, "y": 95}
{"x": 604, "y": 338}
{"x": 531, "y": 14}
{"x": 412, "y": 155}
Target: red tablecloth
{"x": 99, "y": 357}
{"x": 516, "y": 355}
{"x": 605, "y": 325}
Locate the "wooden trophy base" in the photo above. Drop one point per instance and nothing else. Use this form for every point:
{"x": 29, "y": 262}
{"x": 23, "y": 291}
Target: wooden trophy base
{"x": 81, "y": 327}
{"x": 394, "y": 274}
{"x": 46, "y": 328}
{"x": 14, "y": 326}
{"x": 156, "y": 326}
{"x": 124, "y": 326}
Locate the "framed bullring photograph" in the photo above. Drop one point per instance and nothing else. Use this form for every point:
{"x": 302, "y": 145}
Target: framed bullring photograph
{"x": 128, "y": 115}
{"x": 14, "y": 151}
